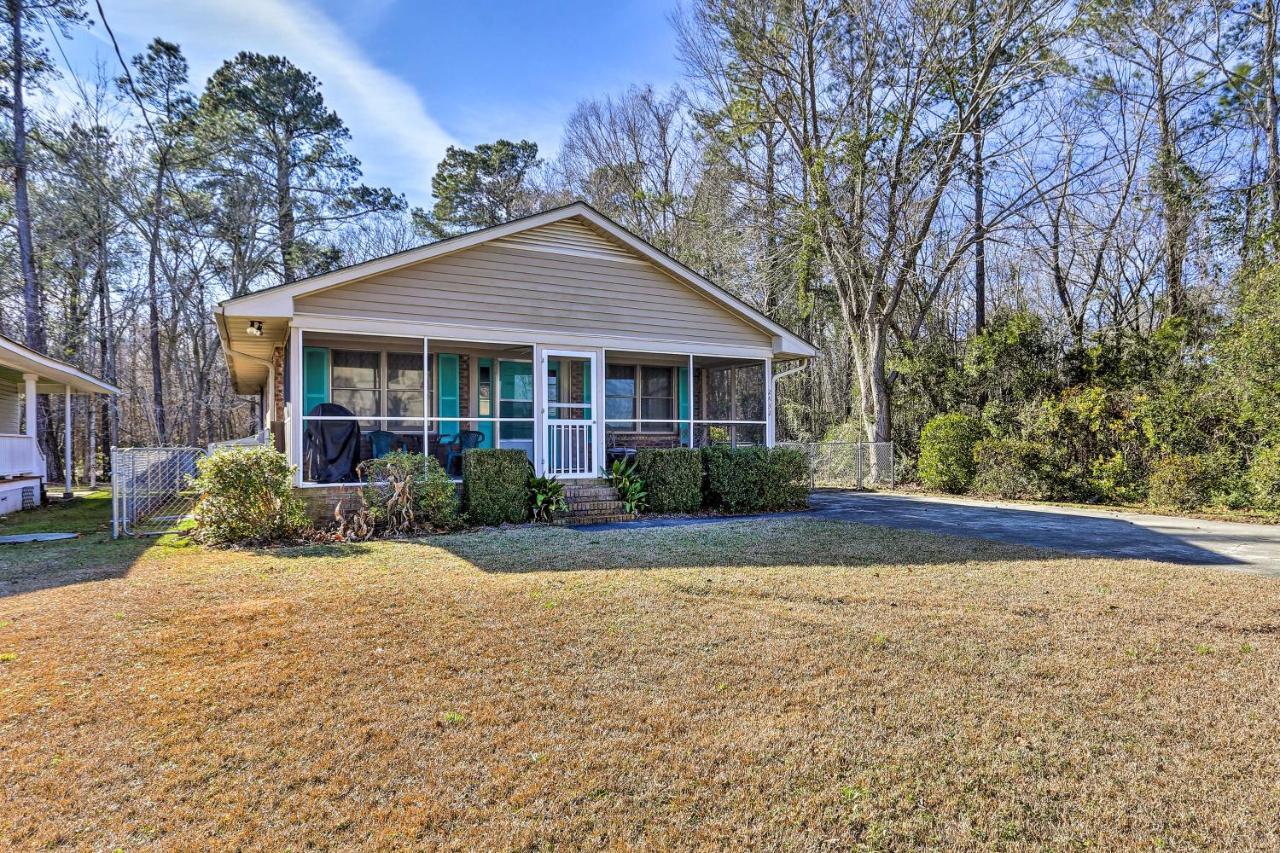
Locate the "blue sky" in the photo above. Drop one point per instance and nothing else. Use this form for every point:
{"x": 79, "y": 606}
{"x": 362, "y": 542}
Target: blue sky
{"x": 410, "y": 78}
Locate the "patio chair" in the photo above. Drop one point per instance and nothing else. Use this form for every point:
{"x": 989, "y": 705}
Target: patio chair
{"x": 468, "y": 439}
{"x": 380, "y": 442}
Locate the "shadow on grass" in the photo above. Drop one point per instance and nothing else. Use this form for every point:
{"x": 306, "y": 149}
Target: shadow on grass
{"x": 93, "y": 556}
{"x": 791, "y": 540}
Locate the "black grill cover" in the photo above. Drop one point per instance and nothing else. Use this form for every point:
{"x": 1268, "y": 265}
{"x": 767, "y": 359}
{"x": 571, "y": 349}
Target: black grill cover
{"x": 332, "y": 447}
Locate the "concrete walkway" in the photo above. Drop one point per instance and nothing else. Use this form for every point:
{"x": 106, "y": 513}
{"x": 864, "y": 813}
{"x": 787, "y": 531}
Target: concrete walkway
{"x": 1187, "y": 541}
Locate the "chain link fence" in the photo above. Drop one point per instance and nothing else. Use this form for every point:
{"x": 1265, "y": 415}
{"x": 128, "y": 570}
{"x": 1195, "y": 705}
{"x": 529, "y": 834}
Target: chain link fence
{"x": 850, "y": 464}
{"x": 151, "y": 489}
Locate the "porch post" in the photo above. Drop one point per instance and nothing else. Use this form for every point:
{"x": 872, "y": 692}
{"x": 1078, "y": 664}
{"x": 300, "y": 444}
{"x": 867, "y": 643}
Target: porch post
{"x": 295, "y": 403}
{"x": 597, "y": 410}
{"x": 426, "y": 396}
{"x": 539, "y": 410}
{"x": 690, "y": 409}
{"x": 770, "y": 430}
{"x": 30, "y": 399}
{"x": 66, "y": 439}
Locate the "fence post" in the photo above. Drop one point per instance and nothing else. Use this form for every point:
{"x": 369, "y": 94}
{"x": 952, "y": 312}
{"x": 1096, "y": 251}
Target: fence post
{"x": 115, "y": 498}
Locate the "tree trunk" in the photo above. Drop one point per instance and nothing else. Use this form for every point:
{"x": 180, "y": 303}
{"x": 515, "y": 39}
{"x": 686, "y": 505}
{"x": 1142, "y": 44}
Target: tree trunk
{"x": 979, "y": 193}
{"x": 285, "y": 219}
{"x": 33, "y": 311}
{"x": 153, "y": 302}
{"x": 1273, "y": 109}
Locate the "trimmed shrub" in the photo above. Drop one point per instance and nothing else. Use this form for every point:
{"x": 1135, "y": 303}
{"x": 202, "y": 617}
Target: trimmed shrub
{"x": 1264, "y": 478}
{"x": 946, "y": 452}
{"x": 247, "y": 497}
{"x": 1180, "y": 482}
{"x": 495, "y": 486}
{"x": 1008, "y": 468}
{"x": 756, "y": 479}
{"x": 672, "y": 478}
{"x": 432, "y": 496}
{"x": 790, "y": 474}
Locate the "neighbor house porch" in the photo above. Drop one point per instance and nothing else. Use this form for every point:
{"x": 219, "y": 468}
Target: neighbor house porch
{"x": 572, "y": 409}
{"x": 24, "y": 375}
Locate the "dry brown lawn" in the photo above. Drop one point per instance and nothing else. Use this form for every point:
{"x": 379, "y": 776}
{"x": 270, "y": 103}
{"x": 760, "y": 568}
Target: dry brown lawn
{"x": 790, "y": 684}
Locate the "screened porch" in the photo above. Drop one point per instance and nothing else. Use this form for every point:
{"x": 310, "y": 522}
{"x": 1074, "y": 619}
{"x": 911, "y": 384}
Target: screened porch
{"x": 363, "y": 396}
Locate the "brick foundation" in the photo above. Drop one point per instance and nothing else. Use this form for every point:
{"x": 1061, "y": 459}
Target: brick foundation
{"x": 320, "y": 501}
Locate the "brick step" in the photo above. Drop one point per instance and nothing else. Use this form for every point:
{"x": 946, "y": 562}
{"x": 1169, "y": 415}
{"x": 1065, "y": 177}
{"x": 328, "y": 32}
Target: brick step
{"x": 601, "y": 493}
{"x": 575, "y": 520}
{"x": 580, "y": 507}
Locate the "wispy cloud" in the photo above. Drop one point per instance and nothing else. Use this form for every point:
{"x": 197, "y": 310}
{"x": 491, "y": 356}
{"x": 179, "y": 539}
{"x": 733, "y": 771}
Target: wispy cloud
{"x": 392, "y": 130}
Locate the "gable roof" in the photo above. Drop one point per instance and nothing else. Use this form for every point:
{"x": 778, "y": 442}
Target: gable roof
{"x": 55, "y": 374}
{"x": 278, "y": 300}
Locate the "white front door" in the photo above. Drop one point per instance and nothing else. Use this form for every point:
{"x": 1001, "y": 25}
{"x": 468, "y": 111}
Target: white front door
{"x": 570, "y": 431}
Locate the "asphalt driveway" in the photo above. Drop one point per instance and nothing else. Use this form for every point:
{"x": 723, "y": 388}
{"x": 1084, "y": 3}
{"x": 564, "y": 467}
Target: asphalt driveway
{"x": 1187, "y": 541}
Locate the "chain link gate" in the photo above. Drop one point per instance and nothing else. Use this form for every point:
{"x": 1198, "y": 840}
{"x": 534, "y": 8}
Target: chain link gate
{"x": 151, "y": 489}
{"x": 850, "y": 464}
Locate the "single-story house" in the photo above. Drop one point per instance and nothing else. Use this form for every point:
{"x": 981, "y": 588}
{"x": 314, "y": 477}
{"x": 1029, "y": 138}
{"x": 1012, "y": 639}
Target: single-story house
{"x": 560, "y": 334}
{"x": 24, "y": 373}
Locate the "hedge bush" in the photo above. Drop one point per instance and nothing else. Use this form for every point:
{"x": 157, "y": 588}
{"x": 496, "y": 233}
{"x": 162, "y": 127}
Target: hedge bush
{"x": 247, "y": 497}
{"x": 946, "y": 452}
{"x": 1179, "y": 482}
{"x": 672, "y": 478}
{"x": 495, "y": 486}
{"x": 756, "y": 479}
{"x": 433, "y": 496}
{"x": 1264, "y": 478}
{"x": 1009, "y": 468}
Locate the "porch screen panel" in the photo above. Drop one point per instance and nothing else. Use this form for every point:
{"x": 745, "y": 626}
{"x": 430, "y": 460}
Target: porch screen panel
{"x": 484, "y": 399}
{"x": 657, "y": 399}
{"x": 682, "y": 376}
{"x": 357, "y": 382}
{"x": 404, "y": 389}
{"x": 620, "y": 396}
{"x": 515, "y": 399}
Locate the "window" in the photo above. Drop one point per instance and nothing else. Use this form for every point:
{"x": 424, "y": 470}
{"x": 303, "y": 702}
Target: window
{"x": 379, "y": 384}
{"x": 648, "y": 390}
{"x": 620, "y": 395}
{"x": 356, "y": 381}
{"x": 404, "y": 387}
{"x": 484, "y": 391}
{"x": 657, "y": 399}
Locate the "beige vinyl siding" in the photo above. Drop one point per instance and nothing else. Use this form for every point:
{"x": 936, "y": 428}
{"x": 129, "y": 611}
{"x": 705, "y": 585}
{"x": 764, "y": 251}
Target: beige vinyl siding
{"x": 560, "y": 278}
{"x": 10, "y": 407}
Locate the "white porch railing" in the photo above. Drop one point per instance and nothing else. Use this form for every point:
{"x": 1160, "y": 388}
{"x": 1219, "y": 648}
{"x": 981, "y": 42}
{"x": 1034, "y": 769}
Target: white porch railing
{"x": 20, "y": 456}
{"x": 262, "y": 437}
{"x": 570, "y": 452}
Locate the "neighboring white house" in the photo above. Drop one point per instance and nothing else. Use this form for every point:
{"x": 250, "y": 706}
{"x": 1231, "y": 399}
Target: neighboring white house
{"x": 24, "y": 373}
{"x": 560, "y": 334}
